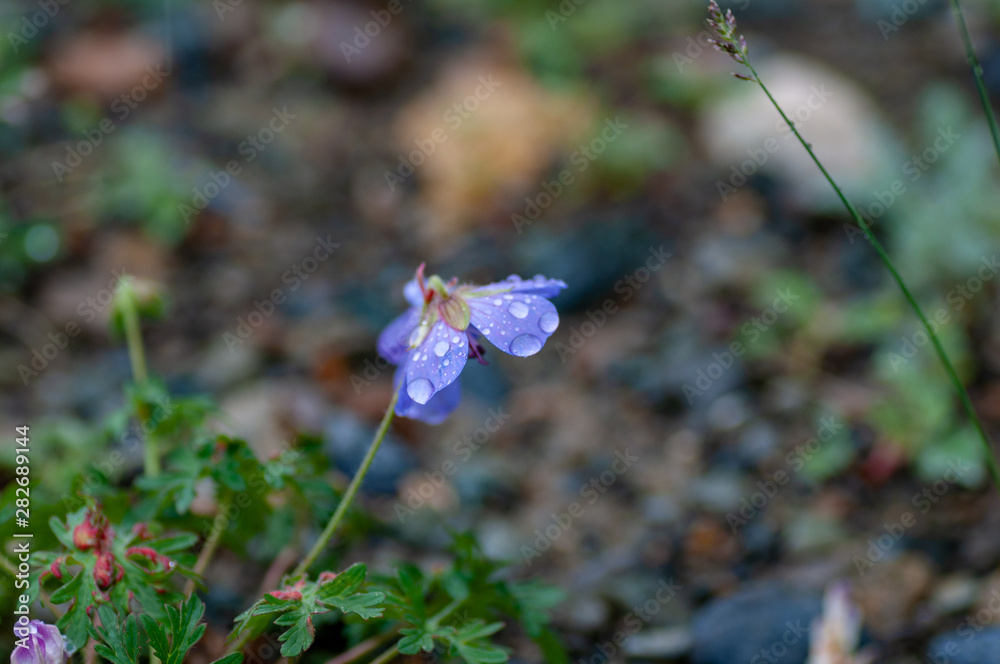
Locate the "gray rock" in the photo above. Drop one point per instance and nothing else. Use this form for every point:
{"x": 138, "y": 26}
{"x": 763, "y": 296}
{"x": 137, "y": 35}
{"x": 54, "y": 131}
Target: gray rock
{"x": 770, "y": 623}
{"x": 966, "y": 647}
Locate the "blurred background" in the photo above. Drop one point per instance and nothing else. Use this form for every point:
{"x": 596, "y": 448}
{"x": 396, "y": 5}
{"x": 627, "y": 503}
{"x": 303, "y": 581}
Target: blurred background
{"x": 281, "y": 168}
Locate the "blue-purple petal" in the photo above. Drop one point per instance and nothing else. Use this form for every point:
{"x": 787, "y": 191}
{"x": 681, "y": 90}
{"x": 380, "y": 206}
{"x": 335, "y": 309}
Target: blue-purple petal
{"x": 537, "y": 285}
{"x": 395, "y": 338}
{"x": 413, "y": 294}
{"x": 516, "y": 323}
{"x": 435, "y": 363}
{"x": 435, "y": 411}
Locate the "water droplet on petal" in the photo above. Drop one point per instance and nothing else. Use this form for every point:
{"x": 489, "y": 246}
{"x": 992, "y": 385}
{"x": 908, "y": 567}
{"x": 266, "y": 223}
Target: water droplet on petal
{"x": 525, "y": 345}
{"x": 446, "y": 363}
{"x": 455, "y": 339}
{"x": 440, "y": 348}
{"x": 549, "y": 322}
{"x": 497, "y": 302}
{"x": 486, "y": 330}
{"x": 518, "y": 309}
{"x": 420, "y": 390}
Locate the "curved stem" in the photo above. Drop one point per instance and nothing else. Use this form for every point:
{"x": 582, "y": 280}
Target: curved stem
{"x": 977, "y": 72}
{"x": 963, "y": 394}
{"x": 352, "y": 489}
{"x": 211, "y": 545}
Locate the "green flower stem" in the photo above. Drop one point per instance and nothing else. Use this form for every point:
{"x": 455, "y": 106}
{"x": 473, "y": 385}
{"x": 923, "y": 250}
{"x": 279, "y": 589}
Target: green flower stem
{"x": 211, "y": 546}
{"x": 133, "y": 333}
{"x": 352, "y": 489}
{"x": 129, "y": 309}
{"x": 977, "y": 72}
{"x": 963, "y": 394}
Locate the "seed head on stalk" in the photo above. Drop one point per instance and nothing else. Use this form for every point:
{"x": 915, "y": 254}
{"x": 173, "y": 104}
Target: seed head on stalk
{"x": 728, "y": 41}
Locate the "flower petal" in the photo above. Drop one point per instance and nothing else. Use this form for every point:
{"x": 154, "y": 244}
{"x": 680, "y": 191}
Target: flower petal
{"x": 434, "y": 411}
{"x": 537, "y": 285}
{"x": 394, "y": 341}
{"x": 435, "y": 363}
{"x": 413, "y": 294}
{"x": 516, "y": 323}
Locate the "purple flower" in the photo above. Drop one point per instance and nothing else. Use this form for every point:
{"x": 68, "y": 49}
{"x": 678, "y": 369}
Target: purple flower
{"x": 38, "y": 643}
{"x": 442, "y": 328}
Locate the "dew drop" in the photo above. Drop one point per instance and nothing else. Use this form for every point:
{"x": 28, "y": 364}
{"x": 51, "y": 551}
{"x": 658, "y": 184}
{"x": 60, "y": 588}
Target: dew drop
{"x": 440, "y": 348}
{"x": 525, "y": 345}
{"x": 420, "y": 390}
{"x": 497, "y": 302}
{"x": 455, "y": 339}
{"x": 485, "y": 330}
{"x": 549, "y": 322}
{"x": 518, "y": 309}
{"x": 446, "y": 362}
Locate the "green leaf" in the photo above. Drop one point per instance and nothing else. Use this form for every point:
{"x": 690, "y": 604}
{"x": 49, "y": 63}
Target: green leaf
{"x": 184, "y": 629}
{"x": 414, "y": 640}
{"x": 117, "y": 640}
{"x": 366, "y": 605}
{"x": 303, "y": 599}
{"x": 344, "y": 583}
{"x": 299, "y": 636}
{"x": 231, "y": 658}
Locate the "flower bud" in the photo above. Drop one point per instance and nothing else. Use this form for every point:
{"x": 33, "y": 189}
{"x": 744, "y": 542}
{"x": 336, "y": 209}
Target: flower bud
{"x": 86, "y": 536}
{"x": 107, "y": 570}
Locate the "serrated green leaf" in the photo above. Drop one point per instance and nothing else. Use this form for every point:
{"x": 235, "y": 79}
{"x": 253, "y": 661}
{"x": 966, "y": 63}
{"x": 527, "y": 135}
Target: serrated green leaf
{"x": 414, "y": 640}
{"x": 344, "y": 583}
{"x": 298, "y": 637}
{"x": 365, "y": 605}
